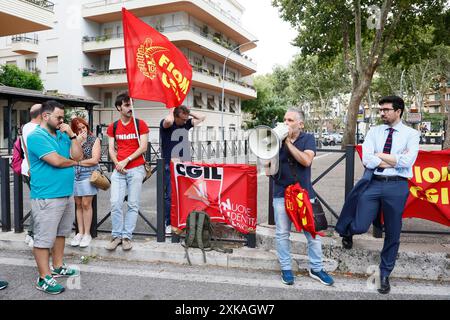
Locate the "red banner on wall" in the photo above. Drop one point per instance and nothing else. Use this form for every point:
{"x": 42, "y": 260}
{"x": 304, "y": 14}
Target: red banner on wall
{"x": 429, "y": 187}
{"x": 226, "y": 192}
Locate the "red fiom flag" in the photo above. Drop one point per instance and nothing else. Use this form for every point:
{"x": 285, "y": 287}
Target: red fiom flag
{"x": 156, "y": 69}
{"x": 429, "y": 187}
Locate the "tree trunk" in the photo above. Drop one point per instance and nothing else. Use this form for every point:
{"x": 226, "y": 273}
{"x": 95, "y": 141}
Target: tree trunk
{"x": 358, "y": 94}
{"x": 447, "y": 131}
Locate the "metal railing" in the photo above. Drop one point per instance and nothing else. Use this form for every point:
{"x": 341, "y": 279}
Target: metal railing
{"x": 219, "y": 77}
{"x": 16, "y": 39}
{"x": 167, "y": 29}
{"x": 212, "y": 4}
{"x": 349, "y": 157}
{"x": 205, "y": 150}
{"x": 44, "y": 4}
{"x": 103, "y": 37}
{"x": 95, "y": 73}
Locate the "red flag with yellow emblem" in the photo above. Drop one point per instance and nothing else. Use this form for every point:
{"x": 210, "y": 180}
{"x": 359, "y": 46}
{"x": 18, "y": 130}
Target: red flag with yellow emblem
{"x": 156, "y": 69}
{"x": 299, "y": 209}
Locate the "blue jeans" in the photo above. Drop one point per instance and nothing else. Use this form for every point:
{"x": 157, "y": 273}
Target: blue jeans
{"x": 167, "y": 193}
{"x": 283, "y": 244}
{"x": 121, "y": 185}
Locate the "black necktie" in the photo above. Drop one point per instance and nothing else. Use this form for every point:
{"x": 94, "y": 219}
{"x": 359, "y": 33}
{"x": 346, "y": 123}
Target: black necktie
{"x": 387, "y": 146}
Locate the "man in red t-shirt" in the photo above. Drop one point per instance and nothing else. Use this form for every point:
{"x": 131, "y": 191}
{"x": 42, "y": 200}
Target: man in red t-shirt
{"x": 129, "y": 171}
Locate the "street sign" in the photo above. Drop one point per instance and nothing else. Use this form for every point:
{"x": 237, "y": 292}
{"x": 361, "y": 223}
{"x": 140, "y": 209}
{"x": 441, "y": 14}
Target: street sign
{"x": 360, "y": 117}
{"x": 413, "y": 117}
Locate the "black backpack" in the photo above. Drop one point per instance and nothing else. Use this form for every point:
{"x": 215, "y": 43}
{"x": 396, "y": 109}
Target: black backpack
{"x": 116, "y": 123}
{"x": 199, "y": 233}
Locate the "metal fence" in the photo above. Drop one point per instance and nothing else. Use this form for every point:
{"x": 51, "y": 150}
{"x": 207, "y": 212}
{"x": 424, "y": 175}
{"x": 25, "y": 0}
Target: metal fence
{"x": 201, "y": 151}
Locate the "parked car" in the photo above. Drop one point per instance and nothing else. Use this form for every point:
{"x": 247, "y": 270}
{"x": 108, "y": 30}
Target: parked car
{"x": 360, "y": 138}
{"x": 332, "y": 139}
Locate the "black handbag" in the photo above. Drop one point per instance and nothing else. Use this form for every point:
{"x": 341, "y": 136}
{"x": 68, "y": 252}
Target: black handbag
{"x": 320, "y": 220}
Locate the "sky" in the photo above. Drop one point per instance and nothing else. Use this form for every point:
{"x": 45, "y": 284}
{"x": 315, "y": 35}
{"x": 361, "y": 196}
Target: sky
{"x": 274, "y": 35}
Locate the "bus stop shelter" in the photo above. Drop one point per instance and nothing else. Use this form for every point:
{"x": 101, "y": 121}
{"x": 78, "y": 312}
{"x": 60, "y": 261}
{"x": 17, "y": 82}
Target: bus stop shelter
{"x": 14, "y": 95}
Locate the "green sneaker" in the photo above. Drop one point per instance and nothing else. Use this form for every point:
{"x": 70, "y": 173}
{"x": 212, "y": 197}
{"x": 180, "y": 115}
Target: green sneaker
{"x": 64, "y": 271}
{"x": 49, "y": 285}
{"x": 3, "y": 285}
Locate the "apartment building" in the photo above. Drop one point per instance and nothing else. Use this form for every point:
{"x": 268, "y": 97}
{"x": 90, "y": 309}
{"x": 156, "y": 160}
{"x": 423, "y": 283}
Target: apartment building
{"x": 83, "y": 55}
{"x": 438, "y": 102}
{"x": 20, "y": 17}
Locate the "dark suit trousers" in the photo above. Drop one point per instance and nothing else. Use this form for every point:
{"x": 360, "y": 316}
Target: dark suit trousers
{"x": 391, "y": 198}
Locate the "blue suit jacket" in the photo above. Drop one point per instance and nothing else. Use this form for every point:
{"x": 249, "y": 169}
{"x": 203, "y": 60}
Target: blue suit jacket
{"x": 348, "y": 212}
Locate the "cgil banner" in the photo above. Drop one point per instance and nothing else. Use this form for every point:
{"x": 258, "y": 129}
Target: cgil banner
{"x": 227, "y": 192}
{"x": 429, "y": 187}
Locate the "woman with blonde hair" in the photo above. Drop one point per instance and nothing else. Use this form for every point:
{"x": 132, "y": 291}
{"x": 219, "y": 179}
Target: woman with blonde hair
{"x": 84, "y": 191}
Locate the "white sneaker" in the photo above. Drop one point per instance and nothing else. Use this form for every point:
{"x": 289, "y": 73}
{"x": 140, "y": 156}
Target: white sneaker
{"x": 76, "y": 240}
{"x": 31, "y": 243}
{"x": 168, "y": 229}
{"x": 28, "y": 238}
{"x": 85, "y": 241}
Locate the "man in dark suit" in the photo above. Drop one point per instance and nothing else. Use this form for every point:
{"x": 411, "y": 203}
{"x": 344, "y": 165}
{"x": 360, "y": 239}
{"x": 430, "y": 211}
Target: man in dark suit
{"x": 390, "y": 150}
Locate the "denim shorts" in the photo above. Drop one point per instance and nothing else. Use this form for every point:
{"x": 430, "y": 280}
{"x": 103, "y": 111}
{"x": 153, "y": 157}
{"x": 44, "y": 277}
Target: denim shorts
{"x": 82, "y": 186}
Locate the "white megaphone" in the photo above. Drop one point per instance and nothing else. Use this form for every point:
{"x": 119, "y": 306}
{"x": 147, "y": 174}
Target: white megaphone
{"x": 265, "y": 142}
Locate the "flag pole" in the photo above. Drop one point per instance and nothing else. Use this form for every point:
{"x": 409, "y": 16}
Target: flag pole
{"x": 134, "y": 120}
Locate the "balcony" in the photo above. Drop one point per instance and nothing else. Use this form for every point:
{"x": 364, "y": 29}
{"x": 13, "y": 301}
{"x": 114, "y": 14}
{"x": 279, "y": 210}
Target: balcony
{"x": 204, "y": 10}
{"x": 201, "y": 78}
{"x": 211, "y": 80}
{"x": 24, "y": 45}
{"x": 102, "y": 44}
{"x": 104, "y": 79}
{"x": 23, "y": 16}
{"x": 183, "y": 36}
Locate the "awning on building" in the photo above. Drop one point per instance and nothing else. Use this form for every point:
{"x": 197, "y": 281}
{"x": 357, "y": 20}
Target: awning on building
{"x": 13, "y": 95}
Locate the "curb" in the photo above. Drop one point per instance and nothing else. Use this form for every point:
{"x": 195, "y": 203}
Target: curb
{"x": 152, "y": 251}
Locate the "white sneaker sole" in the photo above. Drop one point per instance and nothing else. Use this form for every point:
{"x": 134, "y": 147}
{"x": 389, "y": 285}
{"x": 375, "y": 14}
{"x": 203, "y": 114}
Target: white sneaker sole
{"x": 52, "y": 293}
{"x": 287, "y": 283}
{"x": 65, "y": 276}
{"x": 318, "y": 279}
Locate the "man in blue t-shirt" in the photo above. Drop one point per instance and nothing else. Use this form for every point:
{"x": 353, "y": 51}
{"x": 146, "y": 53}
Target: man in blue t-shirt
{"x": 174, "y": 141}
{"x": 53, "y": 150}
{"x": 295, "y": 159}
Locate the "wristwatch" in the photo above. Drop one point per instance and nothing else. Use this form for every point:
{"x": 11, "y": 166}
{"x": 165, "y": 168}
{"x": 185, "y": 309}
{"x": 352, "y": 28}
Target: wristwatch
{"x": 129, "y": 159}
{"x": 73, "y": 137}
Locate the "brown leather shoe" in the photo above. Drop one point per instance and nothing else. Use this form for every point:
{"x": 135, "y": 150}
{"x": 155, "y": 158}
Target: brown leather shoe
{"x": 112, "y": 245}
{"x": 126, "y": 244}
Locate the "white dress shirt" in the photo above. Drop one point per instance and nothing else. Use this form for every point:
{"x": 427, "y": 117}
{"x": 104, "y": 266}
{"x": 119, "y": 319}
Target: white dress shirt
{"x": 405, "y": 147}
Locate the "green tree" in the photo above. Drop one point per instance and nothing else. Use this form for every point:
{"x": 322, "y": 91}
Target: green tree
{"x": 316, "y": 85}
{"x": 435, "y": 119}
{"x": 361, "y": 31}
{"x": 267, "y": 107}
{"x": 12, "y": 76}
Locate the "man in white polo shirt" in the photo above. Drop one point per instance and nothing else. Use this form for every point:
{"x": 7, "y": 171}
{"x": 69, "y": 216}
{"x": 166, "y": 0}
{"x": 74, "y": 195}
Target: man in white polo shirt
{"x": 35, "y": 115}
